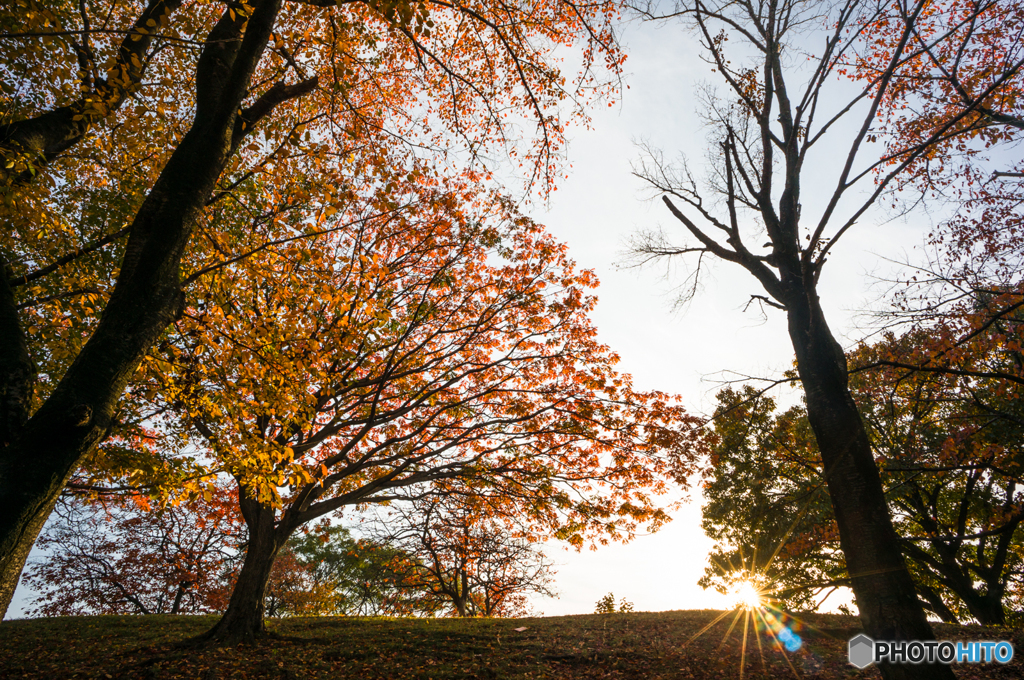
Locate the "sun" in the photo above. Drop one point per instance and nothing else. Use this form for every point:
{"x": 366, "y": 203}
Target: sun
{"x": 747, "y": 596}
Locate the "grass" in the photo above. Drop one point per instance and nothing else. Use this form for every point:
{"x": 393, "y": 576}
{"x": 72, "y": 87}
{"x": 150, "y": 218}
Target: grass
{"x": 640, "y": 645}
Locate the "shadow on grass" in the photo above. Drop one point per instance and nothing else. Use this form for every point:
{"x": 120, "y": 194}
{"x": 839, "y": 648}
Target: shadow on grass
{"x": 640, "y": 645}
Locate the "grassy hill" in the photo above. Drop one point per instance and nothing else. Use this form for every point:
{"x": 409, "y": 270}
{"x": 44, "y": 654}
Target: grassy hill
{"x": 640, "y": 645}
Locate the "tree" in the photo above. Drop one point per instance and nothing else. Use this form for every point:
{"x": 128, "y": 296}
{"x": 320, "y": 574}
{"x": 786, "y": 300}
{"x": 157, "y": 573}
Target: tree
{"x": 468, "y": 561}
{"x": 125, "y": 557}
{"x": 237, "y": 98}
{"x": 345, "y": 576}
{"x": 966, "y": 70}
{"x": 948, "y": 471}
{"x": 963, "y": 70}
{"x": 444, "y": 344}
{"x": 963, "y": 306}
{"x": 766, "y": 507}
{"x": 950, "y": 451}
{"x": 763, "y": 133}
{"x": 606, "y": 605}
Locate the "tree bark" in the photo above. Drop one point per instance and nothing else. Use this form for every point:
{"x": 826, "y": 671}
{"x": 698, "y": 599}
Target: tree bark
{"x": 243, "y": 622}
{"x": 986, "y": 608}
{"x": 32, "y": 143}
{"x": 937, "y": 606}
{"x": 888, "y": 603}
{"x": 17, "y": 372}
{"x": 41, "y": 456}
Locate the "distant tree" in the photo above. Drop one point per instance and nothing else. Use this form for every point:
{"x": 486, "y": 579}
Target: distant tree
{"x": 606, "y": 605}
{"x": 468, "y": 560}
{"x": 125, "y": 557}
{"x": 338, "y": 575}
{"x": 949, "y": 448}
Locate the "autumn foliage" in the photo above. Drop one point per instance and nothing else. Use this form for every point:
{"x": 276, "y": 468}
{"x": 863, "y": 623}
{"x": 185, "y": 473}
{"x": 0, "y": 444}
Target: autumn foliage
{"x": 329, "y": 572}
{"x": 957, "y": 76}
{"x": 466, "y": 561}
{"x": 131, "y": 557}
{"x": 405, "y": 350}
{"x": 146, "y": 145}
{"x": 441, "y": 348}
{"x": 958, "y": 85}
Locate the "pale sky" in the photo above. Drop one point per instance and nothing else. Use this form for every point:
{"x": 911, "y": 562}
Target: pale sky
{"x": 594, "y": 211}
{"x": 683, "y": 351}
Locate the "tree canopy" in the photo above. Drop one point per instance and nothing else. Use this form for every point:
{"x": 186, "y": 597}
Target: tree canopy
{"x": 130, "y": 131}
{"x": 950, "y": 466}
{"x": 132, "y": 557}
{"x": 447, "y": 341}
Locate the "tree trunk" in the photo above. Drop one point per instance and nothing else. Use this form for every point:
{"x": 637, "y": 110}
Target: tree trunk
{"x": 243, "y": 622}
{"x": 995, "y": 615}
{"x": 36, "y": 465}
{"x": 888, "y": 603}
{"x": 937, "y": 606}
{"x": 37, "y": 460}
{"x": 987, "y": 608}
{"x": 179, "y": 596}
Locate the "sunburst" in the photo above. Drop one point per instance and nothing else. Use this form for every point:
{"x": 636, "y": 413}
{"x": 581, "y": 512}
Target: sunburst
{"x": 758, "y": 609}
{"x": 746, "y": 595}
{"x": 757, "y": 614}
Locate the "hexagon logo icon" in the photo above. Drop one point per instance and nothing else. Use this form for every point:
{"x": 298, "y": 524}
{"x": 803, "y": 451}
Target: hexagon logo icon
{"x": 861, "y": 651}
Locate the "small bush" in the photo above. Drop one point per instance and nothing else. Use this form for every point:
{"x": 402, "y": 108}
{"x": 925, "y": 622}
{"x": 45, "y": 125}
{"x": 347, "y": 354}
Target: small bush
{"x": 606, "y": 605}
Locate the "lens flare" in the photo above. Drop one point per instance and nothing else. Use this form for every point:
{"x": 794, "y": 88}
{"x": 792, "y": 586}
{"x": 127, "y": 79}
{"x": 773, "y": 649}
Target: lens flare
{"x": 784, "y": 634}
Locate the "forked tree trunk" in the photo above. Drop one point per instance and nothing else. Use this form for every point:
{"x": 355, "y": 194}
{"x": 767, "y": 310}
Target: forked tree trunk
{"x": 987, "y": 608}
{"x": 889, "y": 608}
{"x": 243, "y": 621}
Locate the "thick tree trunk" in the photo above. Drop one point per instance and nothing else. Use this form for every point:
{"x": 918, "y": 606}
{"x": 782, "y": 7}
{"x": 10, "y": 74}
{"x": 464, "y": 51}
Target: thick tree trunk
{"x": 36, "y": 465}
{"x": 987, "y": 608}
{"x": 243, "y": 622}
{"x": 37, "y": 460}
{"x": 888, "y": 603}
